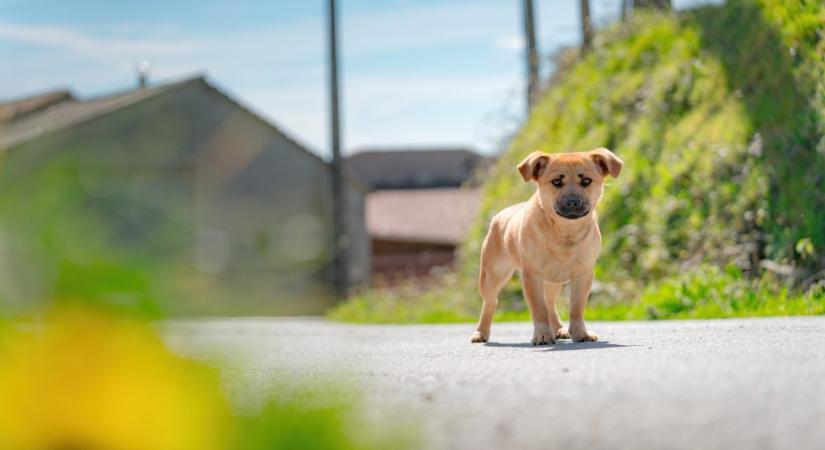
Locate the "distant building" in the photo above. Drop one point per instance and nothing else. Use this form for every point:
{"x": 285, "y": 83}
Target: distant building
{"x": 414, "y": 168}
{"x": 415, "y": 232}
{"x": 421, "y": 207}
{"x": 187, "y": 177}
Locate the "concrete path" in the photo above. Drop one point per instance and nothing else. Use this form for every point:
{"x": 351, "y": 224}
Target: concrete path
{"x": 722, "y": 384}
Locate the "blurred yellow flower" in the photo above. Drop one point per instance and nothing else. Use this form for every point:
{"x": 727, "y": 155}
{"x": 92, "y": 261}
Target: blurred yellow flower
{"x": 83, "y": 381}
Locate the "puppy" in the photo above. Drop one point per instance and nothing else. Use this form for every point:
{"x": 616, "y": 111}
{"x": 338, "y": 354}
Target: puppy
{"x": 552, "y": 239}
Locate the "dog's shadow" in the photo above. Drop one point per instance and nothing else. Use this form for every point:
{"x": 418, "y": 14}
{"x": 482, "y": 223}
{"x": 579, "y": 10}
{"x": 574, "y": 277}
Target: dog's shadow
{"x": 560, "y": 346}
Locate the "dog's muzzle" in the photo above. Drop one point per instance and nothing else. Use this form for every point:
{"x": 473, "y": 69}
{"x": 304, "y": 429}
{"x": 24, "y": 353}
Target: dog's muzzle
{"x": 572, "y": 207}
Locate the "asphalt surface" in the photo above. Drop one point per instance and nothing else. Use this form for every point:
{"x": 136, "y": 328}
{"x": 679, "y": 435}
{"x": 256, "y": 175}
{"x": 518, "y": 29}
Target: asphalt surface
{"x": 719, "y": 384}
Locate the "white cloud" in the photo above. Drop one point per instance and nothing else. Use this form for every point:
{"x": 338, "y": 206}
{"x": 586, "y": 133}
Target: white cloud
{"x": 90, "y": 45}
{"x": 513, "y": 43}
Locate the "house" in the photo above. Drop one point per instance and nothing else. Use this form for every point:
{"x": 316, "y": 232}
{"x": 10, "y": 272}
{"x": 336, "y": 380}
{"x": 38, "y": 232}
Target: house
{"x": 416, "y": 232}
{"x": 420, "y": 210}
{"x": 179, "y": 180}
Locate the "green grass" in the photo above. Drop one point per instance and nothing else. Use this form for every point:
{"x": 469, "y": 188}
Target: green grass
{"x": 719, "y": 116}
{"x": 705, "y": 293}
{"x": 711, "y": 292}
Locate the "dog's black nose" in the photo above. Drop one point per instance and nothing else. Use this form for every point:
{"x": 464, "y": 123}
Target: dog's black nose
{"x": 572, "y": 203}
{"x": 572, "y": 206}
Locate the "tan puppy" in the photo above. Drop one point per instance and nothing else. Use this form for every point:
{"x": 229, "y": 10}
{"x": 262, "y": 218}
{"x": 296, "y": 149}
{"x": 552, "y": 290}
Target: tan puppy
{"x": 552, "y": 239}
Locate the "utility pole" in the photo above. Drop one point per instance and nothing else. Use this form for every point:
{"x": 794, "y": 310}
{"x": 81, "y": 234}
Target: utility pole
{"x": 655, "y": 4}
{"x": 338, "y": 195}
{"x": 532, "y": 57}
{"x": 587, "y": 30}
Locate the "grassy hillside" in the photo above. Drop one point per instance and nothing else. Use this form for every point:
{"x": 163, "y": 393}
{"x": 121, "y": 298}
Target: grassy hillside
{"x": 719, "y": 115}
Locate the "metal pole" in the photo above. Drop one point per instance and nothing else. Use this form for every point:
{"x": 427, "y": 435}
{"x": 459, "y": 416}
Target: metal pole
{"x": 587, "y": 30}
{"x": 532, "y": 57}
{"x": 338, "y": 194}
{"x": 655, "y": 4}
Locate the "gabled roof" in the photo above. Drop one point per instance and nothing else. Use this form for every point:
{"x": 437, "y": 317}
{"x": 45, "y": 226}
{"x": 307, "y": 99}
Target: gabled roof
{"x": 408, "y": 168}
{"x": 71, "y": 111}
{"x": 65, "y": 111}
{"x": 59, "y": 110}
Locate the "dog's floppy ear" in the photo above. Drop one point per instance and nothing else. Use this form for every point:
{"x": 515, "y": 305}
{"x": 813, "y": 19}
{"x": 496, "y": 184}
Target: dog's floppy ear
{"x": 533, "y": 165}
{"x": 607, "y": 162}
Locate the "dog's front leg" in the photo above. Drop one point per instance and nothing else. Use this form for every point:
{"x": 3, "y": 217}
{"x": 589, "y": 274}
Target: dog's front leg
{"x": 579, "y": 291}
{"x": 551, "y": 294}
{"x": 533, "y": 293}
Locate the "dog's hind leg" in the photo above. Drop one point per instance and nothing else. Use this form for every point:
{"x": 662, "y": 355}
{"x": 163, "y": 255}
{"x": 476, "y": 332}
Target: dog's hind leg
{"x": 493, "y": 275}
{"x": 551, "y": 294}
{"x": 490, "y": 282}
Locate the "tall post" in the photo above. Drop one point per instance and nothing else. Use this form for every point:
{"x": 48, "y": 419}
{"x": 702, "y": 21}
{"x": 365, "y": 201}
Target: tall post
{"x": 532, "y": 57}
{"x": 338, "y": 194}
{"x": 587, "y": 30}
{"x": 655, "y": 4}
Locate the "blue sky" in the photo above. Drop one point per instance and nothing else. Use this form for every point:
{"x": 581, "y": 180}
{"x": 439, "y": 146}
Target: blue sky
{"x": 414, "y": 72}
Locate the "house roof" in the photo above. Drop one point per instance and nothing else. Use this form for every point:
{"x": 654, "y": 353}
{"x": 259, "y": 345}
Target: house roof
{"x": 406, "y": 168}
{"x": 437, "y": 216}
{"x": 59, "y": 110}
{"x": 69, "y": 111}
{"x": 32, "y": 117}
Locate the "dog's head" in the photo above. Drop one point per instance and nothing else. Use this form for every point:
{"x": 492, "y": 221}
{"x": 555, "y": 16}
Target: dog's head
{"x": 571, "y": 182}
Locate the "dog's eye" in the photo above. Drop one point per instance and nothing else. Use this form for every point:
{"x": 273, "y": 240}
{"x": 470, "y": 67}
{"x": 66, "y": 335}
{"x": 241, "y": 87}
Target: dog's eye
{"x": 557, "y": 182}
{"x": 586, "y": 182}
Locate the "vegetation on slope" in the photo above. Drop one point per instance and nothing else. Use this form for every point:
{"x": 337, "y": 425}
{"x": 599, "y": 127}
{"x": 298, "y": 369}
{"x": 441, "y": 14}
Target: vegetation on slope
{"x": 719, "y": 115}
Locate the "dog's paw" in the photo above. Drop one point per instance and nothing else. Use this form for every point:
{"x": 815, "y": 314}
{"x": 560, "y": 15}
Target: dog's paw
{"x": 478, "y": 336}
{"x": 584, "y": 336}
{"x": 562, "y": 333}
{"x": 543, "y": 337}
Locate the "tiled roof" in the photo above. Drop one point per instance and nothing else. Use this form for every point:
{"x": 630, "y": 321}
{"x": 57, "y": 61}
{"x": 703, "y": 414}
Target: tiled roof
{"x": 440, "y": 216}
{"x": 413, "y": 168}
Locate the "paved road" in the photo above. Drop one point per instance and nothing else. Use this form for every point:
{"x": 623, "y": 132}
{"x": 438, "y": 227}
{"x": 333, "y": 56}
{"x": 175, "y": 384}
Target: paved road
{"x": 727, "y": 384}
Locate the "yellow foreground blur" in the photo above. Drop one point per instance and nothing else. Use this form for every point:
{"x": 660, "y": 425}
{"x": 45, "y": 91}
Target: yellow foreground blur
{"x": 84, "y": 381}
